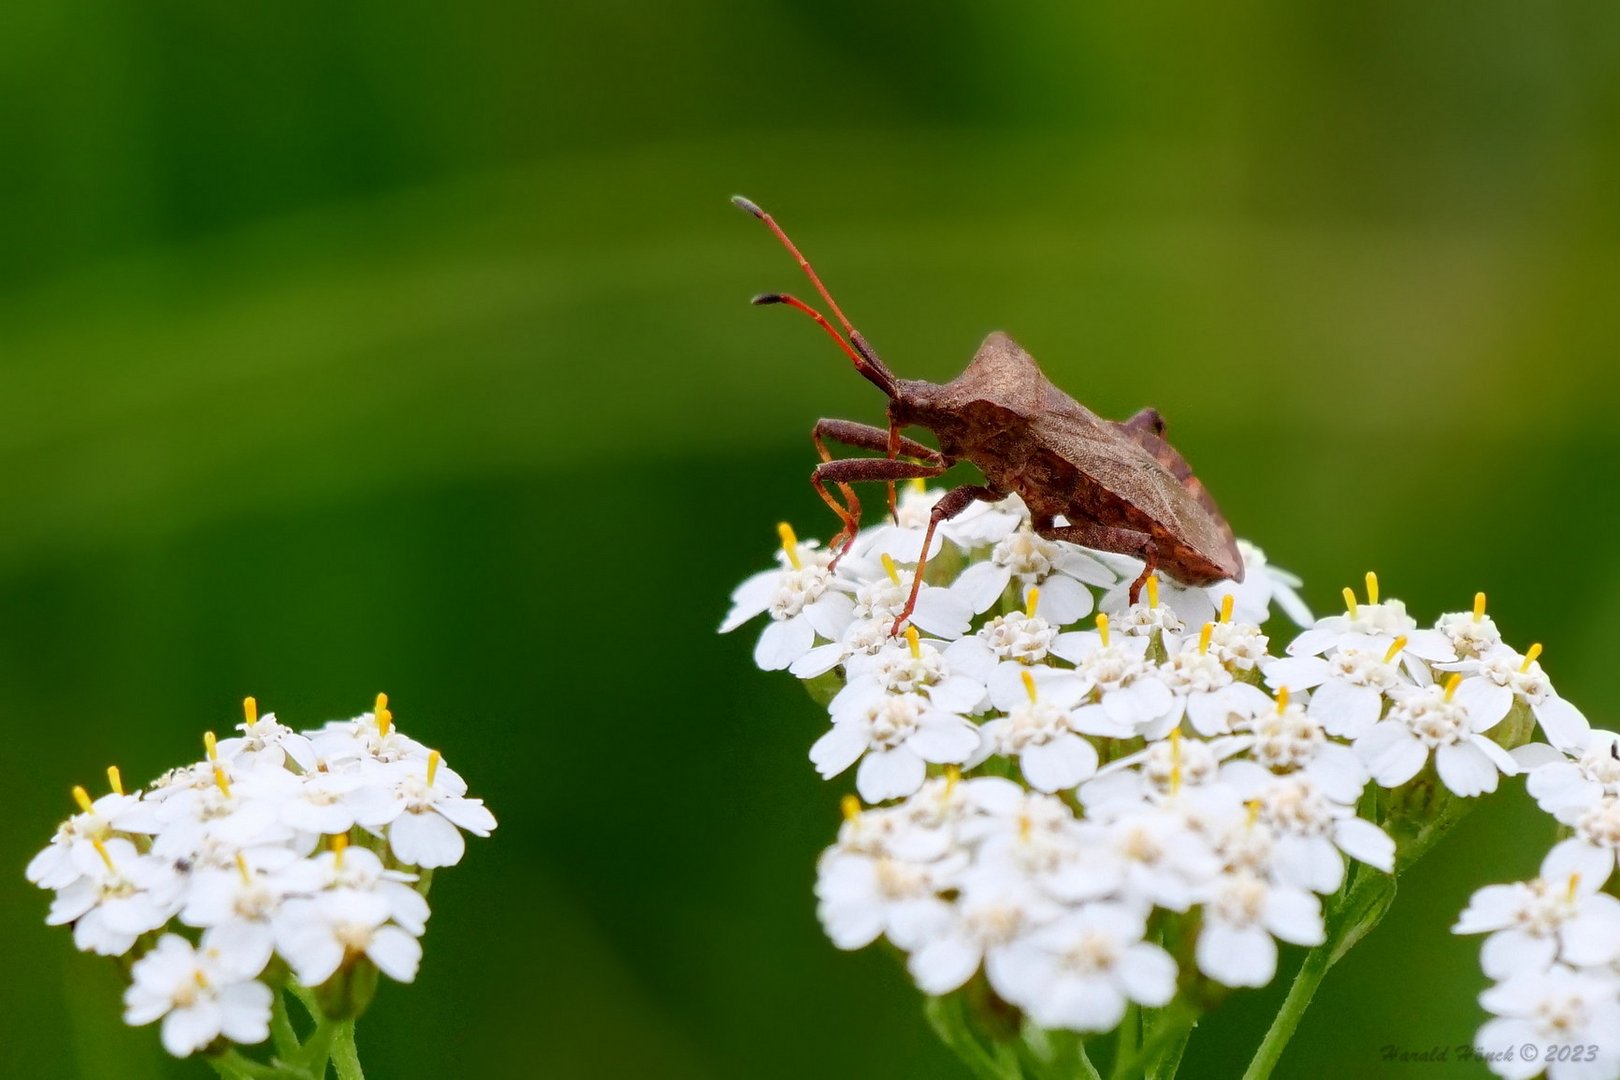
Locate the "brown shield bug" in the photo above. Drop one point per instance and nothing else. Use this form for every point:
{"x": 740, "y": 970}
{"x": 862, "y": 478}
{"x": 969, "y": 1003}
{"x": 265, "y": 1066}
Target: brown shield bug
{"x": 1119, "y": 485}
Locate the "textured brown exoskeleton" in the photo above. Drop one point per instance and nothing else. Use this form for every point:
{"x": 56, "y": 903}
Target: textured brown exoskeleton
{"x": 1120, "y": 486}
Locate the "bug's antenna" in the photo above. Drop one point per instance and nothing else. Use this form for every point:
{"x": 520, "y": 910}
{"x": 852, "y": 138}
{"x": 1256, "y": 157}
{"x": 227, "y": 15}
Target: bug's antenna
{"x": 878, "y": 375}
{"x": 804, "y": 263}
{"x": 867, "y": 363}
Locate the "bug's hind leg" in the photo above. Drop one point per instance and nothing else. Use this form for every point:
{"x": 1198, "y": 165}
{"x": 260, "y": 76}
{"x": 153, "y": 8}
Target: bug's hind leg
{"x": 1108, "y": 538}
{"x": 1146, "y": 420}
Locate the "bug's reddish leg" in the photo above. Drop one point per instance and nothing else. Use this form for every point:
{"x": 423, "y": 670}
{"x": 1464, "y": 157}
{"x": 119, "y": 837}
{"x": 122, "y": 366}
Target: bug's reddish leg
{"x": 863, "y": 437}
{"x": 1144, "y": 420}
{"x": 1108, "y": 538}
{"x": 864, "y": 470}
{"x": 869, "y": 437}
{"x": 1150, "y": 553}
{"x": 893, "y": 450}
{"x": 954, "y": 502}
{"x": 851, "y": 509}
{"x": 849, "y": 513}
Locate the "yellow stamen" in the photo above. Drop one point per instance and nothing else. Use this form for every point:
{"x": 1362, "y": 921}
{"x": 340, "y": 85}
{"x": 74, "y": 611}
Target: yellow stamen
{"x": 340, "y": 844}
{"x": 433, "y": 765}
{"x": 1530, "y": 657}
{"x": 914, "y": 643}
{"x": 1153, "y": 590}
{"x": 82, "y": 797}
{"x": 1102, "y": 629}
{"x": 1175, "y": 759}
{"x": 1372, "y": 587}
{"x": 790, "y": 545}
{"x": 115, "y": 780}
{"x": 1395, "y": 648}
{"x": 1452, "y": 684}
{"x": 1282, "y": 700}
{"x": 383, "y": 716}
{"x": 953, "y": 776}
{"x": 888, "y": 568}
{"x": 106, "y": 857}
{"x": 202, "y": 980}
{"x": 1350, "y": 600}
{"x": 851, "y": 807}
{"x": 1227, "y": 603}
{"x": 1203, "y": 638}
{"x": 221, "y": 782}
{"x": 250, "y": 711}
{"x": 1253, "y": 807}
{"x": 1032, "y": 600}
{"x": 1029, "y": 685}
{"x": 1574, "y": 886}
{"x": 919, "y": 485}
{"x": 242, "y": 868}
{"x": 210, "y": 744}
{"x": 1026, "y": 827}
{"x": 1479, "y": 606}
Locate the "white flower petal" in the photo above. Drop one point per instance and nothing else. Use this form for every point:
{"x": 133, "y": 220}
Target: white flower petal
{"x": 981, "y": 585}
{"x": 783, "y": 642}
{"x": 1392, "y": 753}
{"x": 1465, "y": 769}
{"x": 838, "y": 749}
{"x": 1361, "y": 839}
{"x": 1061, "y": 763}
{"x": 1064, "y": 600}
{"x": 943, "y": 964}
{"x": 889, "y": 774}
{"x": 1235, "y": 956}
{"x": 425, "y": 839}
{"x": 396, "y": 953}
{"x": 1513, "y": 951}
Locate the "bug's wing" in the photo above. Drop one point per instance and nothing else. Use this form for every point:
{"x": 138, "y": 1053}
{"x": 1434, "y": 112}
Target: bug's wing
{"x": 1154, "y": 479}
{"x": 1176, "y": 465}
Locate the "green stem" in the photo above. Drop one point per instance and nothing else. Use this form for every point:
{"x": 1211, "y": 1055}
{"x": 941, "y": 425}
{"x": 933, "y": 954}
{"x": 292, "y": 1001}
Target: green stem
{"x": 1054, "y": 1055}
{"x": 345, "y": 1055}
{"x": 234, "y": 1066}
{"x": 1169, "y": 1062}
{"x": 1175, "y": 1021}
{"x": 317, "y": 1052}
{"x": 949, "y": 1021}
{"x": 284, "y": 1038}
{"x": 306, "y": 998}
{"x": 1129, "y": 1036}
{"x": 1360, "y": 909}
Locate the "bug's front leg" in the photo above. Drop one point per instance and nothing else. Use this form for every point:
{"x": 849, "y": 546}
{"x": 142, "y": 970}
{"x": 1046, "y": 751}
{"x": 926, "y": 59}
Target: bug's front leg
{"x": 864, "y": 437}
{"x": 867, "y": 437}
{"x": 1108, "y": 538}
{"x": 864, "y": 470}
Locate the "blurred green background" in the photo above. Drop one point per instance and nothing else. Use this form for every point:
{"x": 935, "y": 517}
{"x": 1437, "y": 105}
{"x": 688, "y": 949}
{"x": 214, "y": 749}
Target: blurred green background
{"x": 366, "y": 346}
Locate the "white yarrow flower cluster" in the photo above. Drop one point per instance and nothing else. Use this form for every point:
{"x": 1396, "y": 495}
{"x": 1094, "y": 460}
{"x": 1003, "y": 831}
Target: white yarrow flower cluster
{"x": 1552, "y": 944}
{"x": 308, "y": 846}
{"x": 1059, "y": 805}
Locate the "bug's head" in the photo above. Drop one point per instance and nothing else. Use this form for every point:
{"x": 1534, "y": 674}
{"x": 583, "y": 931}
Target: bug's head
{"x": 855, "y": 347}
